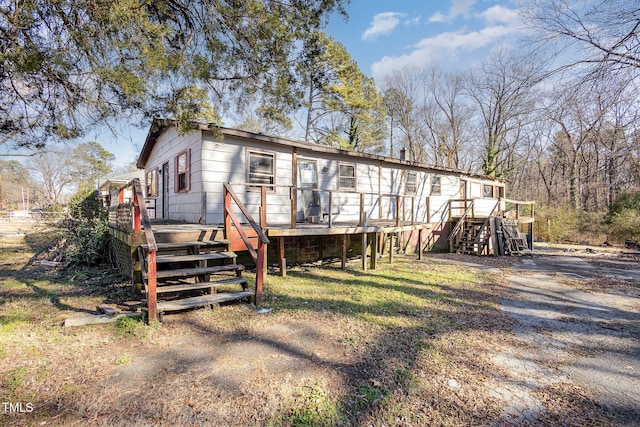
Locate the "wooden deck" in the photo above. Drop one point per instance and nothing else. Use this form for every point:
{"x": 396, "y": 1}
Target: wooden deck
{"x": 374, "y": 226}
{"x": 375, "y": 237}
{"x": 176, "y": 261}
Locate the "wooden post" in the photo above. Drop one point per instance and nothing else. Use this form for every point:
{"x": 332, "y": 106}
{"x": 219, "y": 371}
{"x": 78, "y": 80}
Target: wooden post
{"x": 413, "y": 212}
{"x": 420, "y": 244}
{"x": 260, "y": 272}
{"x": 294, "y": 205}
{"x": 282, "y": 261}
{"x": 263, "y": 224}
{"x": 263, "y": 207}
{"x": 226, "y": 217}
{"x": 136, "y": 213}
{"x": 343, "y": 263}
{"x": 533, "y": 221}
{"x": 362, "y": 215}
{"x": 517, "y": 210}
{"x": 391, "y": 236}
{"x": 428, "y": 210}
{"x": 494, "y": 236}
{"x": 364, "y": 251}
{"x": 294, "y": 187}
{"x": 152, "y": 299}
{"x": 374, "y": 250}
{"x": 330, "y": 209}
{"x": 379, "y": 190}
{"x": 397, "y": 211}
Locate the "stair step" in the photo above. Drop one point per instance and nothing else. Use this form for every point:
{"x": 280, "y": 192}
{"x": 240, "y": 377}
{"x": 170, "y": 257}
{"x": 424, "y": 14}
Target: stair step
{"x": 195, "y": 257}
{"x": 187, "y": 245}
{"x": 190, "y": 272}
{"x": 202, "y": 301}
{"x": 202, "y": 285}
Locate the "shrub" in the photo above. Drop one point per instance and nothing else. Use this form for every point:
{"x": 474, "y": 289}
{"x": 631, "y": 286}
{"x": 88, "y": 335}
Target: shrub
{"x": 565, "y": 224}
{"x": 623, "y": 218}
{"x": 87, "y": 232}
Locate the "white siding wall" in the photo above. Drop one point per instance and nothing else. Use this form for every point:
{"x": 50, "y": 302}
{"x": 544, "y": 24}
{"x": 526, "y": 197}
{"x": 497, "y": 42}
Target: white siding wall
{"x": 226, "y": 161}
{"x": 482, "y": 205}
{"x": 182, "y": 206}
{"x": 215, "y": 162}
{"x": 439, "y": 204}
{"x": 394, "y": 182}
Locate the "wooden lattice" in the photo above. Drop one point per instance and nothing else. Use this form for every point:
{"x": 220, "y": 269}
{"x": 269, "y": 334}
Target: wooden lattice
{"x": 121, "y": 217}
{"x": 123, "y": 257}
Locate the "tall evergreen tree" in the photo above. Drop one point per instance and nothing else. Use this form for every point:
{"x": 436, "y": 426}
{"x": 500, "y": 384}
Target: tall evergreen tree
{"x": 67, "y": 64}
{"x": 344, "y": 107}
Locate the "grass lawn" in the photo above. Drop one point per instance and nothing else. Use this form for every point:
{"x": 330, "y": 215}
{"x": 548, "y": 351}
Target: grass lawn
{"x": 409, "y": 343}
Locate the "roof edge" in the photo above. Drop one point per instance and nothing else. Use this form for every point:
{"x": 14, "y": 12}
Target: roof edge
{"x": 158, "y": 126}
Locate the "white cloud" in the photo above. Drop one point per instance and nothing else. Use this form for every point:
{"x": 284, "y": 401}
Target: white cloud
{"x": 458, "y": 8}
{"x": 461, "y": 7}
{"x": 438, "y": 17}
{"x": 382, "y": 24}
{"x": 431, "y": 50}
{"x": 500, "y": 15}
{"x": 413, "y": 21}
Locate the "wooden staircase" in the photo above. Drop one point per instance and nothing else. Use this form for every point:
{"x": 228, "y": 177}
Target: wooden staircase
{"x": 191, "y": 274}
{"x": 474, "y": 237}
{"x": 471, "y": 234}
{"x": 197, "y": 269}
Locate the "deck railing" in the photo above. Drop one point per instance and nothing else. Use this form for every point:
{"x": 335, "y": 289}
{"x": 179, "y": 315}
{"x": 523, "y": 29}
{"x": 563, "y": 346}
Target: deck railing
{"x": 463, "y": 209}
{"x": 360, "y": 207}
{"x": 521, "y": 209}
{"x": 258, "y": 254}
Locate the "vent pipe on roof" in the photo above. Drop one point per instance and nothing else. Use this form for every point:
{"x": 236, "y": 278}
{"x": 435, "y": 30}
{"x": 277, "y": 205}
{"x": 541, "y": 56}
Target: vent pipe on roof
{"x": 403, "y": 154}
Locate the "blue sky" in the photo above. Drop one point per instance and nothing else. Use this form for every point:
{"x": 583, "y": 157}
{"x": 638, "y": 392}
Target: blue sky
{"x": 383, "y": 36}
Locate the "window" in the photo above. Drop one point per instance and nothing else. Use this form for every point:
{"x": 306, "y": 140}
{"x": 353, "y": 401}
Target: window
{"x": 151, "y": 183}
{"x": 261, "y": 170}
{"x": 411, "y": 186}
{"x": 487, "y": 191}
{"x": 476, "y": 190}
{"x": 308, "y": 174}
{"x": 435, "y": 185}
{"x": 182, "y": 172}
{"x": 347, "y": 176}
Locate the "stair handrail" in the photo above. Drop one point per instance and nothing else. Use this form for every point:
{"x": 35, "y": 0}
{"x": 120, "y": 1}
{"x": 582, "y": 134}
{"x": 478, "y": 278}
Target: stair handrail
{"x": 141, "y": 217}
{"x": 258, "y": 255}
{"x": 461, "y": 221}
{"x": 484, "y": 226}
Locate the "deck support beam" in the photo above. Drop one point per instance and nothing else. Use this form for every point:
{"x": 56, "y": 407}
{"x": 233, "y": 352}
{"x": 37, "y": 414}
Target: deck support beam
{"x": 364, "y": 252}
{"x": 282, "y": 261}
{"x": 260, "y": 272}
{"x": 373, "y": 238}
{"x": 152, "y": 298}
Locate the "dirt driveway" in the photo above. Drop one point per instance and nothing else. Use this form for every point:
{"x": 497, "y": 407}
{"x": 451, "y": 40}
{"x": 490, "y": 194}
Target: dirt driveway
{"x": 588, "y": 336}
{"x": 507, "y": 341}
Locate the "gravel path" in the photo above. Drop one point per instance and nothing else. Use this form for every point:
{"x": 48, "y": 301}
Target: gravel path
{"x": 589, "y": 338}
